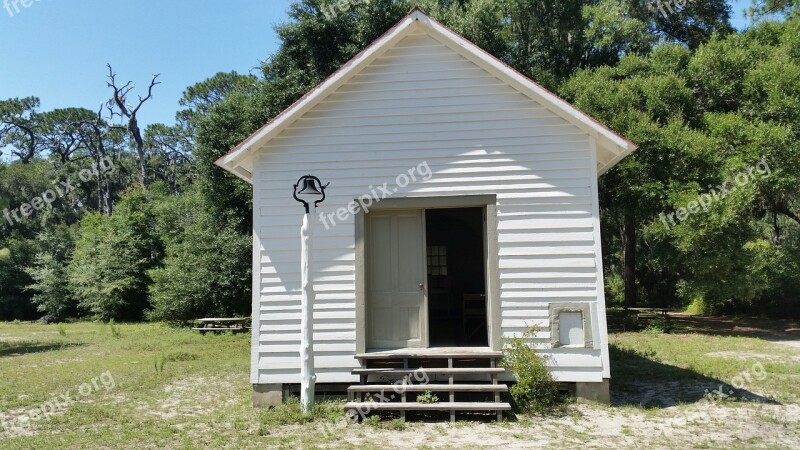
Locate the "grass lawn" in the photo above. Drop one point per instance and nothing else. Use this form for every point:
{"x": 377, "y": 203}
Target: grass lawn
{"x": 151, "y": 386}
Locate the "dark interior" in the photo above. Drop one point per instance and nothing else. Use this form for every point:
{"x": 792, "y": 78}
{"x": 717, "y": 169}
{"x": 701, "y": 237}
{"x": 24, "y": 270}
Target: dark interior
{"x": 456, "y": 277}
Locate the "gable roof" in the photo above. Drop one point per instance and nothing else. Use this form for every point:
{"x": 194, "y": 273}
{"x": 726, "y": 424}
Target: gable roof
{"x": 239, "y": 160}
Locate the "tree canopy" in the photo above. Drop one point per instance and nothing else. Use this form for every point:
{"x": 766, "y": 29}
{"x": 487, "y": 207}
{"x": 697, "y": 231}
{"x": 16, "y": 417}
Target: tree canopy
{"x": 166, "y": 235}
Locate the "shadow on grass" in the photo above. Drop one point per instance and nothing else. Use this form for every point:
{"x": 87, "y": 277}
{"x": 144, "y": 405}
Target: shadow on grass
{"x": 767, "y": 329}
{"x": 752, "y": 327}
{"x": 639, "y": 379}
{"x": 8, "y": 349}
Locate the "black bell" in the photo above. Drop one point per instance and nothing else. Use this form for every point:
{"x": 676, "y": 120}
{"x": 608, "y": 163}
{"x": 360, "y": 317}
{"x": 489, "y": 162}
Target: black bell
{"x": 309, "y": 190}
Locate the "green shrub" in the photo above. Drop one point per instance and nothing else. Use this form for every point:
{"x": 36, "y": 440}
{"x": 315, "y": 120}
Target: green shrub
{"x": 62, "y": 330}
{"x": 697, "y": 306}
{"x": 535, "y": 390}
{"x": 374, "y": 421}
{"x": 290, "y": 413}
{"x": 427, "y": 397}
{"x": 658, "y": 325}
{"x": 112, "y": 325}
{"x": 397, "y": 425}
{"x": 159, "y": 363}
{"x": 181, "y": 356}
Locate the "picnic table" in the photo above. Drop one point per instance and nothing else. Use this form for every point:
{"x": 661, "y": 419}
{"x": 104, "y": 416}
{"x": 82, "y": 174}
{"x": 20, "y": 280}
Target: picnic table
{"x": 642, "y": 313}
{"x": 221, "y": 324}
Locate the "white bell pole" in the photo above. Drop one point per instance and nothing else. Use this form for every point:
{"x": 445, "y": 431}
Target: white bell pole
{"x": 307, "y": 376}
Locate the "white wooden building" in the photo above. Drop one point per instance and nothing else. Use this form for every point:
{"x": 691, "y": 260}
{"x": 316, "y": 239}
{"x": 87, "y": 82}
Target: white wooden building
{"x": 487, "y": 222}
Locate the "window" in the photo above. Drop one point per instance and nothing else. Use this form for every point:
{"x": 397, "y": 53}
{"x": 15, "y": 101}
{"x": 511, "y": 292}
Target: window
{"x": 570, "y": 330}
{"x": 571, "y": 325}
{"x": 437, "y": 260}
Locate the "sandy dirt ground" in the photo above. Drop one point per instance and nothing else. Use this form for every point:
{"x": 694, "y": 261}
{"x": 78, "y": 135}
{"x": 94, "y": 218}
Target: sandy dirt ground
{"x": 750, "y": 423}
{"x": 708, "y": 423}
{"x": 704, "y": 426}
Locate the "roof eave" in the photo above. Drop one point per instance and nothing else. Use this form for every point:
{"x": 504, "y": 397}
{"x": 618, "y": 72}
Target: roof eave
{"x": 232, "y": 159}
{"x": 540, "y": 94}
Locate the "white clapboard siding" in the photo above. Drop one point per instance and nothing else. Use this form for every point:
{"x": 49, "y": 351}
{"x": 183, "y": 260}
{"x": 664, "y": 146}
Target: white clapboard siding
{"x": 421, "y": 104}
{"x": 578, "y": 374}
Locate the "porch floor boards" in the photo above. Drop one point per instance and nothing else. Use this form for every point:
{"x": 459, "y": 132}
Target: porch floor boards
{"x": 437, "y": 352}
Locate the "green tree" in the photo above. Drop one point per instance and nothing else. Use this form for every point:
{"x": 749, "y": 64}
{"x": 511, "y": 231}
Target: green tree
{"x": 199, "y": 98}
{"x": 691, "y": 23}
{"x": 49, "y": 273}
{"x": 703, "y": 119}
{"x": 206, "y": 270}
{"x": 108, "y": 269}
{"x": 765, "y": 8}
{"x": 170, "y": 157}
{"x": 60, "y": 133}
{"x": 16, "y": 253}
{"x": 19, "y": 183}
{"x": 19, "y": 127}
{"x": 647, "y": 100}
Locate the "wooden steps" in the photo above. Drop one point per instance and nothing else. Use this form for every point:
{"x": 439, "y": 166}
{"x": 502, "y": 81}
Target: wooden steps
{"x": 412, "y": 372}
{"x": 439, "y": 406}
{"x": 425, "y": 353}
{"x": 431, "y": 370}
{"x": 377, "y": 388}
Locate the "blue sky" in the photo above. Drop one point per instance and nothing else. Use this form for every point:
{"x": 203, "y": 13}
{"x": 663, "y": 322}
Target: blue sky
{"x": 57, "y": 49}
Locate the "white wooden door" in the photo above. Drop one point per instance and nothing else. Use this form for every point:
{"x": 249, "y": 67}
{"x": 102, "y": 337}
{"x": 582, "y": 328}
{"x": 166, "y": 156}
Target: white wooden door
{"x": 396, "y": 311}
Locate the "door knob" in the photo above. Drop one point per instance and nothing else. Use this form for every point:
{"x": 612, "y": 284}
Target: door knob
{"x": 422, "y": 285}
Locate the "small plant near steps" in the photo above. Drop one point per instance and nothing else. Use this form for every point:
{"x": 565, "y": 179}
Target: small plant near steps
{"x": 427, "y": 397}
{"x": 535, "y": 390}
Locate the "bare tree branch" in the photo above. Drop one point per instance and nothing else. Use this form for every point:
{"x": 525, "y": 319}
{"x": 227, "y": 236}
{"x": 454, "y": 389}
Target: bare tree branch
{"x": 153, "y": 83}
{"x": 118, "y": 100}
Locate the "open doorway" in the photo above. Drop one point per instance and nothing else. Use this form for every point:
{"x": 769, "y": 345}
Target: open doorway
{"x": 456, "y": 277}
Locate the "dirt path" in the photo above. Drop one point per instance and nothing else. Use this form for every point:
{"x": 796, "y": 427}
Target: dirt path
{"x": 709, "y": 426}
{"x": 795, "y": 344}
{"x": 769, "y": 329}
